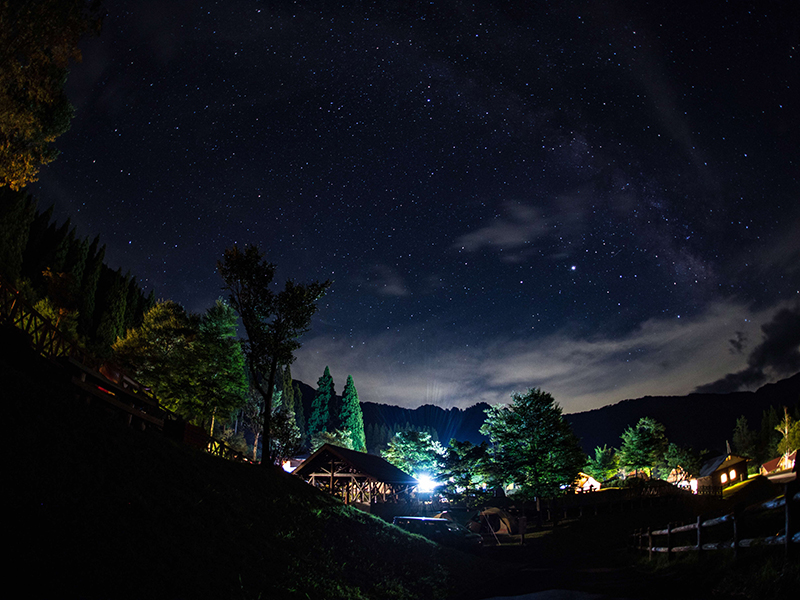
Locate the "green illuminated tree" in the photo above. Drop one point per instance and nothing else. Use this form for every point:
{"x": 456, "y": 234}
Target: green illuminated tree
{"x": 533, "y": 447}
{"x": 158, "y": 352}
{"x": 320, "y": 419}
{"x": 683, "y": 463}
{"x": 462, "y": 470}
{"x": 285, "y": 438}
{"x": 273, "y": 322}
{"x": 338, "y": 437}
{"x": 604, "y": 465}
{"x": 415, "y": 453}
{"x": 643, "y": 446}
{"x": 195, "y": 366}
{"x": 219, "y": 381}
{"x": 351, "y": 417}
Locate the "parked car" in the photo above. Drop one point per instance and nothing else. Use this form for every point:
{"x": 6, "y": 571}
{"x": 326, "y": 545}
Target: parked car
{"x": 441, "y": 531}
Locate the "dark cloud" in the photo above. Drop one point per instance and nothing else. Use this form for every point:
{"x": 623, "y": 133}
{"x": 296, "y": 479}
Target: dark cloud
{"x": 738, "y": 343}
{"x": 777, "y": 356}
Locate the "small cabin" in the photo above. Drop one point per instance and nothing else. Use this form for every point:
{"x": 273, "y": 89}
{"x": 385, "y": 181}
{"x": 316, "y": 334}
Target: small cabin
{"x": 722, "y": 471}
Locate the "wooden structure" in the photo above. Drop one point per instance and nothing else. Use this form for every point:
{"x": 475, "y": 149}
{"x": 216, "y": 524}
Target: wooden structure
{"x": 355, "y": 477}
{"x": 698, "y": 531}
{"x": 722, "y": 471}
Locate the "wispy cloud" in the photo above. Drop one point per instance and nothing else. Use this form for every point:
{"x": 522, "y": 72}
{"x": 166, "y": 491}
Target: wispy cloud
{"x": 517, "y": 227}
{"x": 661, "y": 357}
{"x": 385, "y": 281}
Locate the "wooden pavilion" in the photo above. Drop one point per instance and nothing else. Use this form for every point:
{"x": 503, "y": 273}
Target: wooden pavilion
{"x": 355, "y": 477}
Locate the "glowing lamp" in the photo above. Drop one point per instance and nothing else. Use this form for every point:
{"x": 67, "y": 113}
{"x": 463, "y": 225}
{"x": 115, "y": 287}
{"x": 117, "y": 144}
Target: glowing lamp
{"x": 732, "y": 474}
{"x": 723, "y": 478}
{"x": 426, "y": 484}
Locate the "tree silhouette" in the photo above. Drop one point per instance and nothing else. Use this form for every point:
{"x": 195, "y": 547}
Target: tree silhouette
{"x": 273, "y": 322}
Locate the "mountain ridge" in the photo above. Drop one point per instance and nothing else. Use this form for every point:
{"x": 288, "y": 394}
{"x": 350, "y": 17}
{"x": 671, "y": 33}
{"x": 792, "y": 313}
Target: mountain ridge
{"x": 698, "y": 420}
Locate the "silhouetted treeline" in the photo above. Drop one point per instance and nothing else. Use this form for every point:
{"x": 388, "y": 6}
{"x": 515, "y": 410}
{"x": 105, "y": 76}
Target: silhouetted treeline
{"x": 65, "y": 276}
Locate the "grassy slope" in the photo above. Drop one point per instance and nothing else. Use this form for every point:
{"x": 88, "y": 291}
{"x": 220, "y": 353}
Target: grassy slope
{"x": 101, "y": 511}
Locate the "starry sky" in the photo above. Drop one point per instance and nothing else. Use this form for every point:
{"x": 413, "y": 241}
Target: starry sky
{"x": 599, "y": 199}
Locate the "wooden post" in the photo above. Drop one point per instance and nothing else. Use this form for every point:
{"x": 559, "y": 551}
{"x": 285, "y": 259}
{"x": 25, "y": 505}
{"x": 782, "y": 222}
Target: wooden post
{"x": 649, "y": 543}
{"x": 699, "y": 535}
{"x": 669, "y": 541}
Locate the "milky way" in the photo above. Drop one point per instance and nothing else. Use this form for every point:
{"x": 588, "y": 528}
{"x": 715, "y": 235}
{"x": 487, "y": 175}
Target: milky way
{"x": 598, "y": 199}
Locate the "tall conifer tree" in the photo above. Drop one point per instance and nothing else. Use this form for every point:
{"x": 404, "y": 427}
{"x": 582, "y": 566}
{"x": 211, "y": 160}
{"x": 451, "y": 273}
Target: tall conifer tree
{"x": 351, "y": 417}
{"x": 320, "y": 419}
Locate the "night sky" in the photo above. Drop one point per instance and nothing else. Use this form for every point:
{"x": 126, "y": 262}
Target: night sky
{"x": 600, "y": 199}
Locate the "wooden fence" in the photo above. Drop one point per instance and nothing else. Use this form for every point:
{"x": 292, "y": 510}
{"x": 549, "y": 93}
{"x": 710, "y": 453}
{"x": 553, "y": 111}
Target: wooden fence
{"x": 737, "y": 521}
{"x": 45, "y": 339}
{"x": 91, "y": 380}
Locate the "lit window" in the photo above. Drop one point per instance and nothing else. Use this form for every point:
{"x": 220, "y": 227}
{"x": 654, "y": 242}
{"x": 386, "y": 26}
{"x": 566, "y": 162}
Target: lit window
{"x": 724, "y": 478}
{"x": 733, "y": 474}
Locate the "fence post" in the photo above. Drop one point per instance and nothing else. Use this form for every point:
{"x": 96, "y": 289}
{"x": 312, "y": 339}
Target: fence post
{"x": 649, "y": 543}
{"x": 699, "y": 536}
{"x": 669, "y": 541}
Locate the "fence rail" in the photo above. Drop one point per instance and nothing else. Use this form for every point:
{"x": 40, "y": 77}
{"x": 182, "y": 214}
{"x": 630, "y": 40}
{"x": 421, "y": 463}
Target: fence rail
{"x": 643, "y": 540}
{"x": 92, "y": 381}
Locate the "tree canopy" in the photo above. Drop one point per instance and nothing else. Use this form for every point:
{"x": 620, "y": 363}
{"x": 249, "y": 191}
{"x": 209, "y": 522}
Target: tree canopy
{"x": 604, "y": 464}
{"x": 37, "y": 42}
{"x": 533, "y": 447}
{"x": 415, "y": 453}
{"x": 463, "y": 471}
{"x": 193, "y": 364}
{"x": 643, "y": 446}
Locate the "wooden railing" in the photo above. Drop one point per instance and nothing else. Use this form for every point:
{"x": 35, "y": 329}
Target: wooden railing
{"x": 92, "y": 381}
{"x": 45, "y": 339}
{"x": 735, "y": 521}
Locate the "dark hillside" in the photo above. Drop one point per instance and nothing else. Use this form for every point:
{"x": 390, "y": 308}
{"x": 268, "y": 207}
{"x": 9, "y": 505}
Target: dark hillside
{"x": 102, "y": 511}
{"x": 701, "y": 421}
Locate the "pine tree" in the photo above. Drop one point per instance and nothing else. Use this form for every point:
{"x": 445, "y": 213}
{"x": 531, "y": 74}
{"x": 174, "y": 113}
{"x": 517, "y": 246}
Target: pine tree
{"x": 299, "y": 411}
{"x": 91, "y": 277}
{"x": 533, "y": 446}
{"x": 17, "y": 212}
{"x": 320, "y": 419}
{"x": 351, "y": 417}
{"x": 112, "y": 320}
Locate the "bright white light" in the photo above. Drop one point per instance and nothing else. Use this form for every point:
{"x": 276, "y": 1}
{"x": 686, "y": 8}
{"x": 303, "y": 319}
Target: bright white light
{"x": 426, "y": 484}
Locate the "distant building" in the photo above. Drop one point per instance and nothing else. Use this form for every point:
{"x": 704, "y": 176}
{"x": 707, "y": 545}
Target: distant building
{"x": 782, "y": 463}
{"x": 586, "y": 483}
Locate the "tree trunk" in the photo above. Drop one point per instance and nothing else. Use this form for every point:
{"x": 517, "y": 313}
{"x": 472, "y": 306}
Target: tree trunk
{"x": 266, "y": 439}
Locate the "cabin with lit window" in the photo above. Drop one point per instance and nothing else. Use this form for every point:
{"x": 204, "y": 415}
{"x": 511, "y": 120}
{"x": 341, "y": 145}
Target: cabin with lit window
{"x": 722, "y": 471}
{"x": 356, "y": 477}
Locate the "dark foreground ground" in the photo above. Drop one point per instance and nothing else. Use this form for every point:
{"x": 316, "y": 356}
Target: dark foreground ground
{"x": 99, "y": 511}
